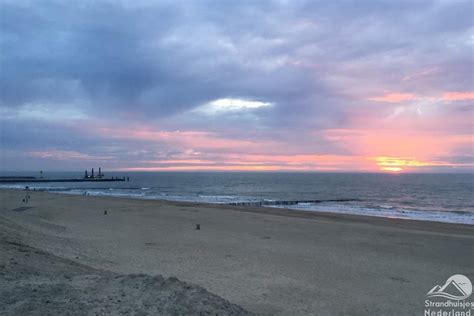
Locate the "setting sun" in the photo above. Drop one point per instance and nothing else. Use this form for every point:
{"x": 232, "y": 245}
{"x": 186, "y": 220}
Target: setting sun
{"x": 391, "y": 169}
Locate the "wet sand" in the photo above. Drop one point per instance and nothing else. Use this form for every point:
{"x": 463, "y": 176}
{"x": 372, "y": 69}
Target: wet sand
{"x": 269, "y": 261}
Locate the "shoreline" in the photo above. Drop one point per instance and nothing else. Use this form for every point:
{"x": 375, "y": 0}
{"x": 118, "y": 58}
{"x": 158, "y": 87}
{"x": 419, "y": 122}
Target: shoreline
{"x": 269, "y": 261}
{"x": 249, "y": 206}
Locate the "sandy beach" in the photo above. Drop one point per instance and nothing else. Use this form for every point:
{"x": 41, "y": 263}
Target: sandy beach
{"x": 260, "y": 260}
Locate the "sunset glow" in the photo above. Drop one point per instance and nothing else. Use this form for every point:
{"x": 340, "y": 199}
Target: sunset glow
{"x": 396, "y": 164}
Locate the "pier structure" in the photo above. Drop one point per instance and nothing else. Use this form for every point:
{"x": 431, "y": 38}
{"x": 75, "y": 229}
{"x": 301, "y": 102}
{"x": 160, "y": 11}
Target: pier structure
{"x": 92, "y": 177}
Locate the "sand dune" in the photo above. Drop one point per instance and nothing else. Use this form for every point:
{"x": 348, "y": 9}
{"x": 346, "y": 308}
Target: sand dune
{"x": 34, "y": 282}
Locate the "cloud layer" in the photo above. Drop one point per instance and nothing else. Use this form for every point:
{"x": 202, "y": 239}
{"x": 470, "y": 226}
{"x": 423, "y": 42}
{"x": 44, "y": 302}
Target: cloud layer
{"x": 253, "y": 85}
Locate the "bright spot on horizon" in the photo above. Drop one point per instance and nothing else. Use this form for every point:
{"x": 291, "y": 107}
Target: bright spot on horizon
{"x": 391, "y": 169}
{"x": 395, "y": 164}
{"x": 231, "y": 105}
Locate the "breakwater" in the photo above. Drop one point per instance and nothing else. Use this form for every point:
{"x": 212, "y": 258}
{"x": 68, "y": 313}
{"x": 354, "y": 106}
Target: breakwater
{"x": 291, "y": 202}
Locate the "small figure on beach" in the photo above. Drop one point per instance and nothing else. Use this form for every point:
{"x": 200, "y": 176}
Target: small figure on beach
{"x": 27, "y": 195}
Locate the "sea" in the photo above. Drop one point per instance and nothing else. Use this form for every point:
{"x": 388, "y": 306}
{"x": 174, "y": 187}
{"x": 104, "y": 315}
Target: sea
{"x": 428, "y": 197}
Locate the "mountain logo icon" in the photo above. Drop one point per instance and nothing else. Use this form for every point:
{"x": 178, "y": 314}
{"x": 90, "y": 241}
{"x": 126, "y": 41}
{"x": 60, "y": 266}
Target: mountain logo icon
{"x": 458, "y": 287}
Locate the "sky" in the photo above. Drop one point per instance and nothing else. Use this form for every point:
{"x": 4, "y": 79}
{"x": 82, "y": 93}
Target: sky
{"x": 362, "y": 86}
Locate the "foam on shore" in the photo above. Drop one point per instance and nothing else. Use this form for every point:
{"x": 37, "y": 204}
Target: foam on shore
{"x": 350, "y": 206}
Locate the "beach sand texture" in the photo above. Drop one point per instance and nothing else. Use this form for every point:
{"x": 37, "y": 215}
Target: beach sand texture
{"x": 269, "y": 261}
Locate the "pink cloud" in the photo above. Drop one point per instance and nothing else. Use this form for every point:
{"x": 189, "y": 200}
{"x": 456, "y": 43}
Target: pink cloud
{"x": 458, "y": 96}
{"x": 393, "y": 97}
{"x": 262, "y": 162}
{"x": 190, "y": 139}
{"x": 358, "y": 148}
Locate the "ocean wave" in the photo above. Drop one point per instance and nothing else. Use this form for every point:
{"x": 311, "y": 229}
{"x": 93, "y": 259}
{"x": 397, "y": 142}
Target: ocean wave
{"x": 35, "y": 188}
{"x": 392, "y": 212}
